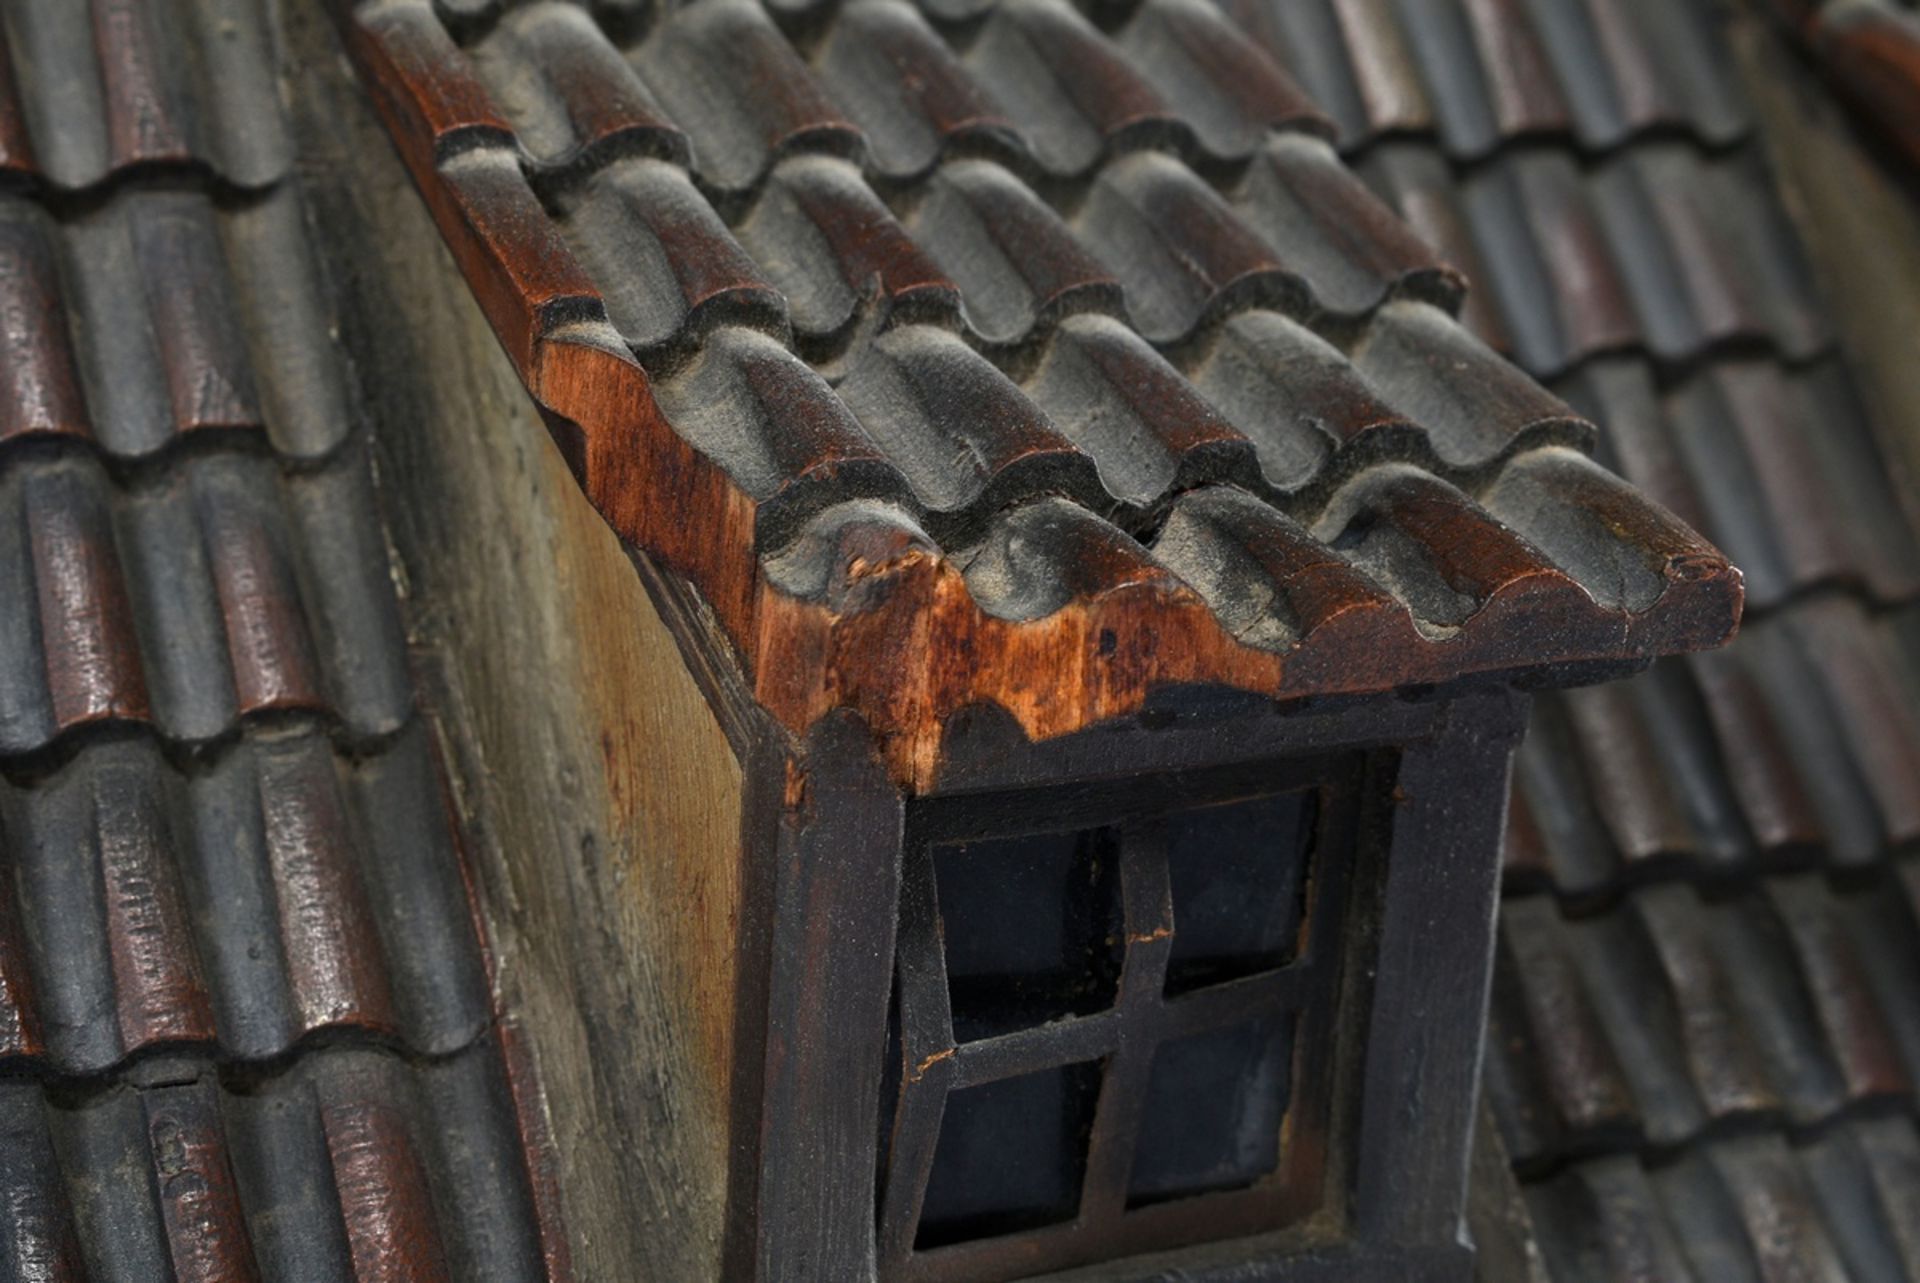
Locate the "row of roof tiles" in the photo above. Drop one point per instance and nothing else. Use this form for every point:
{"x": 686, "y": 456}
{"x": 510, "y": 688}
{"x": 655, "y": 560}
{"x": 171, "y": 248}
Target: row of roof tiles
{"x": 1480, "y": 72}
{"x": 1778, "y": 464}
{"x": 217, "y": 585}
{"x": 237, "y": 906}
{"x": 1038, "y": 84}
{"x": 1662, "y": 249}
{"x": 155, "y": 313}
{"x": 1798, "y": 745}
{"x": 346, "y": 1165}
{"x": 1658, "y": 248}
{"x": 1477, "y": 72}
{"x": 1436, "y": 581}
{"x": 1151, "y": 242}
{"x": 1835, "y": 1209}
{"x": 921, "y": 417}
{"x": 191, "y": 596}
{"x": 1665, "y": 994}
{"x": 90, "y": 90}
{"x": 1669, "y": 1015}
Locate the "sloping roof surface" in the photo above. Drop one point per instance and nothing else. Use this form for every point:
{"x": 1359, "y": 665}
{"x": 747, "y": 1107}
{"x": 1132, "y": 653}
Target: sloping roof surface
{"x": 1704, "y": 1044}
{"x": 245, "y": 1022}
{"x": 1038, "y": 340}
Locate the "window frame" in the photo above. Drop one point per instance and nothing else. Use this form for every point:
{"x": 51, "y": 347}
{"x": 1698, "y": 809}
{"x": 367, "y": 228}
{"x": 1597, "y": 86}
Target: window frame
{"x": 1309, "y": 987}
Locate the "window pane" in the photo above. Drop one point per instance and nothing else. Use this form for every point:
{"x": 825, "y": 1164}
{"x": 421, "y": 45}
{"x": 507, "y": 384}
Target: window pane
{"x": 1031, "y": 926}
{"x": 1238, "y": 873}
{"x": 1214, "y": 1105}
{"x": 1011, "y": 1155}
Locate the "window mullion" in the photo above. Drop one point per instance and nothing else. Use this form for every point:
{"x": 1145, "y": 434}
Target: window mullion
{"x": 1147, "y": 900}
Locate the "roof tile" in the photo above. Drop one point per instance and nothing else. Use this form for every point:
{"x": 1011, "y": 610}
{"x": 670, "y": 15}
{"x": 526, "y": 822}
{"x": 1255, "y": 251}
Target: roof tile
{"x": 1073, "y": 92}
{"x": 1474, "y": 406}
{"x": 157, "y": 315}
{"x": 347, "y": 1164}
{"x": 1549, "y": 264}
{"x": 1267, "y": 577}
{"x": 1752, "y": 743}
{"x": 1752, "y": 465}
{"x": 1862, "y": 684}
{"x": 1230, "y": 92}
{"x": 569, "y": 94}
{"x": 907, "y": 91}
{"x": 16, "y": 151}
{"x": 1418, "y": 183}
{"x": 1150, "y": 431}
{"x": 775, "y": 424}
{"x": 36, "y": 1224}
{"x": 1601, "y": 1220}
{"x": 1016, "y": 262}
{"x": 1296, "y": 396}
{"x": 1334, "y": 233}
{"x": 1827, "y": 952}
{"x": 664, "y": 259}
{"x": 241, "y": 908}
{"x": 1540, "y": 1005}
{"x": 726, "y": 75}
{"x": 1629, "y": 67}
{"x": 1576, "y": 854}
{"x": 1349, "y": 54}
{"x": 109, "y": 86}
{"x": 86, "y": 632}
{"x": 967, "y": 439}
{"x": 1705, "y": 252}
{"x": 1180, "y": 253}
{"x": 39, "y": 377}
{"x": 1865, "y": 1175}
{"x": 1636, "y": 438}
{"x": 836, "y": 252}
{"x": 1629, "y": 781}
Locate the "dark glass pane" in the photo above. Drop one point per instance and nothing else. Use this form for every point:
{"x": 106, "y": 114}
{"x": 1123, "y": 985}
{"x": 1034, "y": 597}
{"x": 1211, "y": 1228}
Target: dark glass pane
{"x": 1238, "y": 872}
{"x": 1011, "y": 1155}
{"x": 1214, "y": 1106}
{"x": 1031, "y": 926}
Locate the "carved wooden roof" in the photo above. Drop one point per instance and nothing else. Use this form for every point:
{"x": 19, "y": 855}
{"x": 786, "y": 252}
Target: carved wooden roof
{"x": 982, "y": 353}
{"x": 246, "y": 1026}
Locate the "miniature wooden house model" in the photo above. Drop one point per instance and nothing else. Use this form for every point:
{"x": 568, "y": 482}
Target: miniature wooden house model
{"x": 1106, "y": 589}
{"x": 887, "y": 639}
